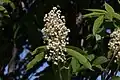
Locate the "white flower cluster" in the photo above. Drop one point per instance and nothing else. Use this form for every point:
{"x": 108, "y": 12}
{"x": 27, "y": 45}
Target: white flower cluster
{"x": 114, "y": 43}
{"x": 55, "y": 35}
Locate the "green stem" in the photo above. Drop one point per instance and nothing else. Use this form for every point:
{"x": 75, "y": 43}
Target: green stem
{"x": 59, "y": 71}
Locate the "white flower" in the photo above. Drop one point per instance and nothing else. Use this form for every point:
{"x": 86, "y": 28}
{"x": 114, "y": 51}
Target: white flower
{"x": 54, "y": 8}
{"x": 114, "y": 43}
{"x": 55, "y": 35}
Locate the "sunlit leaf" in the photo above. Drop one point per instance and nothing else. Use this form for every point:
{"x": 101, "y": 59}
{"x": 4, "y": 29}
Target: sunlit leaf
{"x": 117, "y": 16}
{"x": 97, "y": 24}
{"x": 82, "y": 59}
{"x": 100, "y": 60}
{"x": 109, "y": 8}
{"x": 110, "y": 11}
{"x": 38, "y": 50}
{"x": 37, "y": 58}
{"x": 96, "y": 10}
{"x": 93, "y": 14}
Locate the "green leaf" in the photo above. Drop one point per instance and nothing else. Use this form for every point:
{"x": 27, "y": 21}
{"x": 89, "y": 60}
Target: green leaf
{"x": 2, "y": 8}
{"x": 93, "y": 14}
{"x": 118, "y": 1}
{"x": 117, "y": 16}
{"x": 90, "y": 36}
{"x": 110, "y": 11}
{"x": 100, "y": 60}
{"x": 77, "y": 49}
{"x": 100, "y": 30}
{"x": 38, "y": 50}
{"x": 37, "y": 58}
{"x": 115, "y": 25}
{"x": 115, "y": 78}
{"x": 97, "y": 24}
{"x": 98, "y": 37}
{"x": 12, "y": 5}
{"x": 100, "y": 67}
{"x": 109, "y": 8}
{"x": 75, "y": 65}
{"x": 5, "y": 1}
{"x": 96, "y": 10}
{"x": 90, "y": 57}
{"x": 82, "y": 59}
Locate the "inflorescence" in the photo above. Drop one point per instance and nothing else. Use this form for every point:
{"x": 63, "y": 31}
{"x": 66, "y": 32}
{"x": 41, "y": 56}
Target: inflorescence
{"x": 114, "y": 43}
{"x": 55, "y": 35}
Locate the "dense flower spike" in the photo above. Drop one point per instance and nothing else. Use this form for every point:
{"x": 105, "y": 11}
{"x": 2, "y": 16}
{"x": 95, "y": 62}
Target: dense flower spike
{"x": 114, "y": 43}
{"x": 55, "y": 35}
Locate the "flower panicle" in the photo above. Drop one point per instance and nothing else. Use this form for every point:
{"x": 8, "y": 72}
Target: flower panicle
{"x": 114, "y": 43}
{"x": 55, "y": 36}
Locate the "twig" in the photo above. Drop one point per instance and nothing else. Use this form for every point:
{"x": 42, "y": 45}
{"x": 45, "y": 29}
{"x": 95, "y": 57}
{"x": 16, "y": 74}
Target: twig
{"x": 117, "y": 69}
{"x": 106, "y": 72}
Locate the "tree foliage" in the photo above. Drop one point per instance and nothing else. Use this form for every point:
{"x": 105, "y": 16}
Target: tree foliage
{"x": 87, "y": 54}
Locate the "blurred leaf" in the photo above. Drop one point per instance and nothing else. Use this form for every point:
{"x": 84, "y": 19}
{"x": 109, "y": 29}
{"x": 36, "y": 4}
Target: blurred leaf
{"x": 12, "y": 5}
{"x": 96, "y": 10}
{"x": 100, "y": 60}
{"x": 118, "y": 1}
{"x": 90, "y": 57}
{"x": 37, "y": 58}
{"x": 110, "y": 11}
{"x": 38, "y": 50}
{"x": 115, "y": 78}
{"x": 75, "y": 65}
{"x": 97, "y": 24}
{"x": 2, "y": 8}
{"x": 5, "y": 1}
{"x": 93, "y": 14}
{"x": 82, "y": 59}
